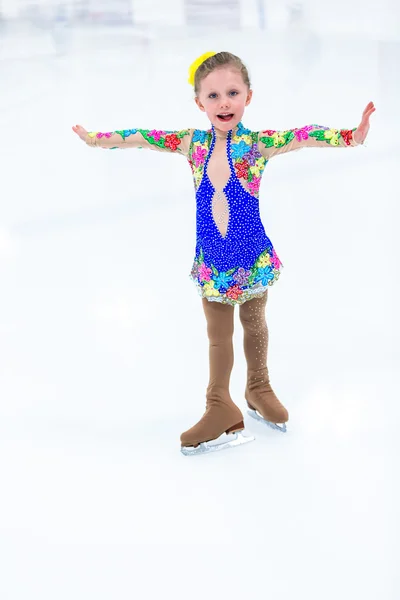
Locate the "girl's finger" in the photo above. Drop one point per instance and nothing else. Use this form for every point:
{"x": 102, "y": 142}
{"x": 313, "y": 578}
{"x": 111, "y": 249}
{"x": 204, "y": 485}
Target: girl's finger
{"x": 368, "y": 107}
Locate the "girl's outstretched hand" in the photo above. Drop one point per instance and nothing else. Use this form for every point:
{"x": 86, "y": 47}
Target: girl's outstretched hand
{"x": 79, "y": 130}
{"x": 361, "y": 132}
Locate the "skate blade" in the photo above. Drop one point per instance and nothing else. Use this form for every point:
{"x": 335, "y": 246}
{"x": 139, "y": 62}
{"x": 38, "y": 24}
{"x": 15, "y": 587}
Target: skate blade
{"x": 236, "y": 439}
{"x": 258, "y": 417}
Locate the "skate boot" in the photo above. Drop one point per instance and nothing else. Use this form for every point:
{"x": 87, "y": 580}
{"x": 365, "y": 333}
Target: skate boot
{"x": 213, "y": 432}
{"x": 222, "y": 424}
{"x": 262, "y": 401}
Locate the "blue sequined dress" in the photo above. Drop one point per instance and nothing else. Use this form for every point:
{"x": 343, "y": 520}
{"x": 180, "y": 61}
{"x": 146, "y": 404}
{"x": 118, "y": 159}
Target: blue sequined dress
{"x": 242, "y": 264}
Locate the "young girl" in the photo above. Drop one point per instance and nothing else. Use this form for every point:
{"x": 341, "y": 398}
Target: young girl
{"x": 235, "y": 262}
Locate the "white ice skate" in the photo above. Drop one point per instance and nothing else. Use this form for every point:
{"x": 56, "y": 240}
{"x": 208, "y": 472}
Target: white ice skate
{"x": 256, "y": 415}
{"x": 222, "y": 443}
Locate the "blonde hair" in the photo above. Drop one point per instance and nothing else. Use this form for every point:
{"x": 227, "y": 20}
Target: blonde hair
{"x": 221, "y": 59}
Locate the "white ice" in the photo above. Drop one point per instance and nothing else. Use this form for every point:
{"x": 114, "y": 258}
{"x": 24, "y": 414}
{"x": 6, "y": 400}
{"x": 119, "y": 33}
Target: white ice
{"x": 103, "y": 344}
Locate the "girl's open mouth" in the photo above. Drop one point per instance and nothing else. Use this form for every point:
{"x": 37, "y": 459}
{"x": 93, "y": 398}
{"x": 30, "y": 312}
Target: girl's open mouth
{"x": 225, "y": 117}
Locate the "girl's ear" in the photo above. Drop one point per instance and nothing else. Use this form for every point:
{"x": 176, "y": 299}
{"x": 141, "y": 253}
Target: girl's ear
{"x": 199, "y": 104}
{"x": 249, "y": 97}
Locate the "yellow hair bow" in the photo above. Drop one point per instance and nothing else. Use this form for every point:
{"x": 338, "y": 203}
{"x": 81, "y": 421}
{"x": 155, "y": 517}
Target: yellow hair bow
{"x": 195, "y": 65}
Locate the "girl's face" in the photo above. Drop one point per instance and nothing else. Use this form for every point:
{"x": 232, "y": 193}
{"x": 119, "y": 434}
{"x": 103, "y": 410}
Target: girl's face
{"x": 223, "y": 97}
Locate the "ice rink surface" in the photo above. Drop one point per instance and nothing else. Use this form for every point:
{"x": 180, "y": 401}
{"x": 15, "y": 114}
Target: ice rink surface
{"x": 104, "y": 351}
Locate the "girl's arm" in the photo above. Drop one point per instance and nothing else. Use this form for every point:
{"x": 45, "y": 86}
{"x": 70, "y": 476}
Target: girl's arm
{"x": 163, "y": 141}
{"x": 272, "y": 143}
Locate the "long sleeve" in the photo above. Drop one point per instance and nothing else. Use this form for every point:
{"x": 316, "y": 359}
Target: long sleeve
{"x": 271, "y": 142}
{"x": 152, "y": 139}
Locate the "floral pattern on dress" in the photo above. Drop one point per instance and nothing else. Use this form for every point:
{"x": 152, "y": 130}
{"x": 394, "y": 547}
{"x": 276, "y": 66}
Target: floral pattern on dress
{"x": 248, "y": 161}
{"x": 235, "y": 286}
{"x": 164, "y": 139}
{"x": 160, "y": 138}
{"x": 278, "y": 139}
{"x": 239, "y": 149}
{"x": 199, "y": 149}
{"x": 241, "y": 130}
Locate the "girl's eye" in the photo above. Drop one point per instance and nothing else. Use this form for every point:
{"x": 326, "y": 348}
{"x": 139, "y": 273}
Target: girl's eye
{"x": 233, "y": 93}
{"x": 212, "y": 96}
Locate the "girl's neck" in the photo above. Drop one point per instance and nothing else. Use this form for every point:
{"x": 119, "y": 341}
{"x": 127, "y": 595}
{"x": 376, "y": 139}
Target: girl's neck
{"x": 221, "y": 135}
